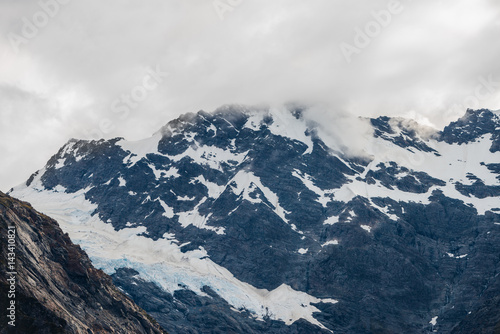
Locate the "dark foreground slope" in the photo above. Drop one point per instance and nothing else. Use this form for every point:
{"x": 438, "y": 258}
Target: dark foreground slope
{"x": 57, "y": 290}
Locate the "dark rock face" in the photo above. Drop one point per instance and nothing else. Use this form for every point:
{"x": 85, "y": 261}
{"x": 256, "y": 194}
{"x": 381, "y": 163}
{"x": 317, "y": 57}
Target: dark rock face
{"x": 400, "y": 132}
{"x": 57, "y": 289}
{"x": 413, "y": 181}
{"x": 278, "y": 210}
{"x": 473, "y": 125}
{"x": 478, "y": 189}
{"x": 485, "y": 318}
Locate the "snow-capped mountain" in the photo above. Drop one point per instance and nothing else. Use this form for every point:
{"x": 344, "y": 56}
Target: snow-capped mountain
{"x": 254, "y": 220}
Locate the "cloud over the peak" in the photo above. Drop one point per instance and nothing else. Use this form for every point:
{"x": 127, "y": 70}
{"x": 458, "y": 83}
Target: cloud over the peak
{"x": 73, "y": 68}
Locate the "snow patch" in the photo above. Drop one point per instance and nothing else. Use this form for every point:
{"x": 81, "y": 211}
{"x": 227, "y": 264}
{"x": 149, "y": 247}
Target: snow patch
{"x": 303, "y": 250}
{"x": 307, "y": 180}
{"x": 366, "y": 228}
{"x": 331, "y": 242}
{"x": 246, "y": 181}
{"x": 385, "y": 210}
{"x": 350, "y": 216}
{"x": 122, "y": 181}
{"x": 158, "y": 173}
{"x": 331, "y": 220}
{"x": 254, "y": 121}
{"x": 162, "y": 261}
{"x": 59, "y": 189}
{"x": 211, "y": 156}
{"x": 286, "y": 125}
{"x": 185, "y": 198}
{"x": 60, "y": 163}
{"x": 139, "y": 149}
{"x": 171, "y": 172}
{"x": 294, "y": 227}
{"x": 168, "y": 236}
{"x": 453, "y": 165}
{"x": 196, "y": 219}
{"x": 169, "y": 212}
{"x": 457, "y": 256}
{"x": 214, "y": 190}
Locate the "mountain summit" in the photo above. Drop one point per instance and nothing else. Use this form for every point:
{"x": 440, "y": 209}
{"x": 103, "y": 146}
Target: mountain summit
{"x": 260, "y": 221}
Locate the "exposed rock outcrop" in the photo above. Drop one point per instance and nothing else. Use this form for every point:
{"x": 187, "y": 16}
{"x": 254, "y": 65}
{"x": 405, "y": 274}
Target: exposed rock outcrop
{"x": 56, "y": 289}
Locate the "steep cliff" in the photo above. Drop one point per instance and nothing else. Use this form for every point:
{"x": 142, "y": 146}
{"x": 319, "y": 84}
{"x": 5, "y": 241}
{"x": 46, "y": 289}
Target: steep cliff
{"x": 48, "y": 284}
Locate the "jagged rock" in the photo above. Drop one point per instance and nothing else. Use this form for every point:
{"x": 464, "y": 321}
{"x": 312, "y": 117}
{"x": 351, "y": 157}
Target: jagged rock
{"x": 473, "y": 125}
{"x": 57, "y": 290}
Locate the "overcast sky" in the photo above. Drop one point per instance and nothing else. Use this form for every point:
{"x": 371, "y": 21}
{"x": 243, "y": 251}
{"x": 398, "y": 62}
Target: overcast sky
{"x": 86, "y": 69}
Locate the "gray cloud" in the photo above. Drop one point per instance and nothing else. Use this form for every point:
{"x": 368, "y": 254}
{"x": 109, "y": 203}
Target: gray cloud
{"x": 426, "y": 64}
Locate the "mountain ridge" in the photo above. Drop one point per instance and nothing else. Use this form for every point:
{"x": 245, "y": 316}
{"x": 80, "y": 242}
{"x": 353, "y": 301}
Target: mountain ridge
{"x": 259, "y": 196}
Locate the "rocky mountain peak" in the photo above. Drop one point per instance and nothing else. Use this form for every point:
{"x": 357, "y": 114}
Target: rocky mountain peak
{"x": 472, "y": 126}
